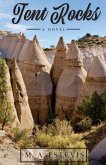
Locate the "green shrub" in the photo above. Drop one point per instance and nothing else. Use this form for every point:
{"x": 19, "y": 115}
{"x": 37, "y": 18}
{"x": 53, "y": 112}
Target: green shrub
{"x": 88, "y": 35}
{"x": 94, "y": 107}
{"x": 84, "y": 125}
{"x": 60, "y": 135}
{"x": 22, "y": 138}
{"x": 6, "y": 116}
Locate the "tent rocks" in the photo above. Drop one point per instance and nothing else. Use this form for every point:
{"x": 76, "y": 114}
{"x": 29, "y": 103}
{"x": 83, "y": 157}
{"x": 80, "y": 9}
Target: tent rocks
{"x": 20, "y": 97}
{"x": 40, "y": 97}
{"x": 67, "y": 73}
{"x": 70, "y": 84}
{"x": 95, "y": 77}
{"x": 59, "y": 60}
{"x": 37, "y": 80}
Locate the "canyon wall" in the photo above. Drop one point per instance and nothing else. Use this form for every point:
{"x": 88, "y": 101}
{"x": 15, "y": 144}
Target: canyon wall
{"x": 45, "y": 89}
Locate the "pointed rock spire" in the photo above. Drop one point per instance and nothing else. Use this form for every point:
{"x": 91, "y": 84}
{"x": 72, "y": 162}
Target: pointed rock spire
{"x": 61, "y": 46}
{"x": 35, "y": 39}
{"x": 20, "y": 97}
{"x": 39, "y": 58}
{"x": 96, "y": 79}
{"x": 69, "y": 84}
{"x": 73, "y": 52}
{"x": 73, "y": 56}
{"x": 59, "y": 61}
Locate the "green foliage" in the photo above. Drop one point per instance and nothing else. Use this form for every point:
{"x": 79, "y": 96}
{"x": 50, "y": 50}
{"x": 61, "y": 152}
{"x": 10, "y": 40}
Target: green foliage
{"x": 88, "y": 35}
{"x": 94, "y": 107}
{"x": 103, "y": 97}
{"x": 59, "y": 135}
{"x": 6, "y": 116}
{"x": 22, "y": 138}
{"x": 84, "y": 125}
{"x": 3, "y": 86}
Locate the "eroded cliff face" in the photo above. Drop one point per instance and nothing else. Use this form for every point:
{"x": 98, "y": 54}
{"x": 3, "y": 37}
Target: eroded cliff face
{"x": 20, "y": 97}
{"x": 59, "y": 61}
{"x": 70, "y": 83}
{"x": 35, "y": 69}
{"x": 31, "y": 77}
{"x": 89, "y": 52}
{"x": 96, "y": 79}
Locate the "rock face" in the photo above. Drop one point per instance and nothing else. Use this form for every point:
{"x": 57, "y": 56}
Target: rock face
{"x": 67, "y": 73}
{"x": 70, "y": 84}
{"x": 58, "y": 65}
{"x": 4, "y": 72}
{"x": 99, "y": 151}
{"x": 40, "y": 96}
{"x": 96, "y": 76}
{"x": 20, "y": 97}
{"x": 38, "y": 83}
{"x": 16, "y": 45}
{"x": 31, "y": 61}
{"x": 19, "y": 46}
{"x": 89, "y": 52}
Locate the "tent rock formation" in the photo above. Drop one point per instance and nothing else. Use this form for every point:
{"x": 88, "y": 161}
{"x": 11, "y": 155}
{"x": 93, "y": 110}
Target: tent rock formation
{"x": 20, "y": 97}
{"x": 70, "y": 84}
{"x": 58, "y": 65}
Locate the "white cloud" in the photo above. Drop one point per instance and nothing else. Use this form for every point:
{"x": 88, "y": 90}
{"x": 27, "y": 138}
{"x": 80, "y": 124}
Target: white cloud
{"x": 17, "y": 27}
{"x": 3, "y": 15}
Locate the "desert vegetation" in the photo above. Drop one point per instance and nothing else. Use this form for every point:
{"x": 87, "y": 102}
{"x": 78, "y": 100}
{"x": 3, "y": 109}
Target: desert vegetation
{"x": 6, "y": 115}
{"x": 90, "y": 40}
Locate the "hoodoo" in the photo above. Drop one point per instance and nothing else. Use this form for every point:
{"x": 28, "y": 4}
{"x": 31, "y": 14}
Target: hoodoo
{"x": 40, "y": 92}
{"x": 38, "y": 83}
{"x": 30, "y": 55}
{"x": 35, "y": 69}
{"x": 70, "y": 84}
{"x": 96, "y": 78}
{"x": 35, "y": 39}
{"x": 20, "y": 97}
{"x": 58, "y": 65}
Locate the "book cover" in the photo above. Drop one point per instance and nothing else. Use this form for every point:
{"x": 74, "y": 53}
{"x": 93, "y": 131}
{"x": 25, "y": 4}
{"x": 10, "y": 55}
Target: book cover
{"x": 52, "y": 82}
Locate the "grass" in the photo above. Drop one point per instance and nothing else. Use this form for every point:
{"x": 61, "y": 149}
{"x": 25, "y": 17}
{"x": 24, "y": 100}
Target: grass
{"x": 57, "y": 135}
{"x": 21, "y": 138}
{"x": 60, "y": 135}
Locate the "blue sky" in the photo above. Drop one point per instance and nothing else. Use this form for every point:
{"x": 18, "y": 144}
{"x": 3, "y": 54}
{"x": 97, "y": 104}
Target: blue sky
{"x": 48, "y": 38}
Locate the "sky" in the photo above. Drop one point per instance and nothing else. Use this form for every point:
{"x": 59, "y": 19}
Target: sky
{"x": 46, "y": 37}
